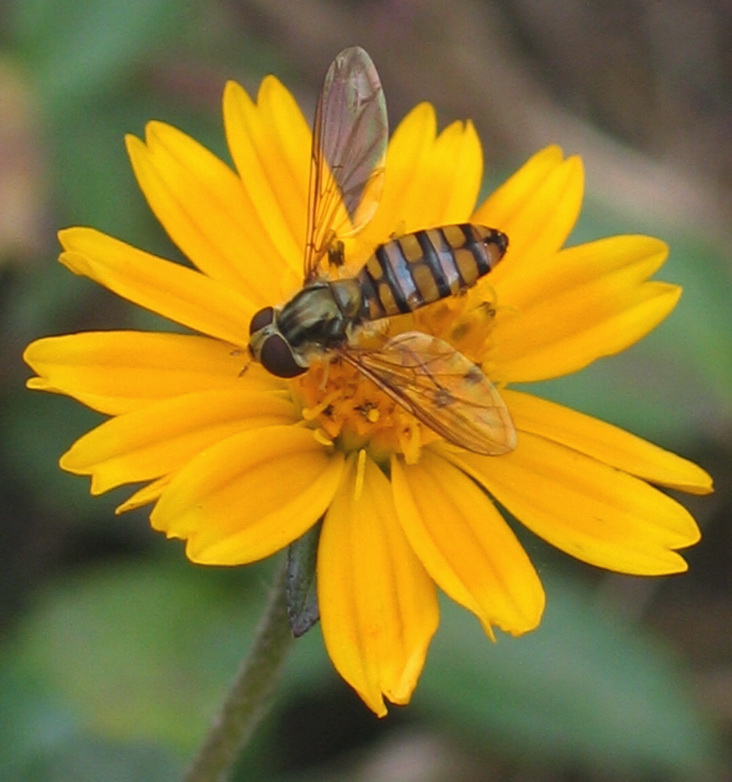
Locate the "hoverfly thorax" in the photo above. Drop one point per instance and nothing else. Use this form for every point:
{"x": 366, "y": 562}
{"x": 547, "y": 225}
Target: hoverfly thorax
{"x": 422, "y": 374}
{"x": 318, "y": 318}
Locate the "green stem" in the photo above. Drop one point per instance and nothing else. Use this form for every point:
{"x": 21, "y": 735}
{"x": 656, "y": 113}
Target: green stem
{"x": 249, "y": 697}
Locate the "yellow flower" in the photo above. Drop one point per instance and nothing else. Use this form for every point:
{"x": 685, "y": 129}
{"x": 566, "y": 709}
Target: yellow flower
{"x": 241, "y": 464}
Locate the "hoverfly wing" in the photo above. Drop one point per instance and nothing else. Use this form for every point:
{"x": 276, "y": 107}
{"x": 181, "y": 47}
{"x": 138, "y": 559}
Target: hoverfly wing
{"x": 347, "y": 165}
{"x": 442, "y": 388}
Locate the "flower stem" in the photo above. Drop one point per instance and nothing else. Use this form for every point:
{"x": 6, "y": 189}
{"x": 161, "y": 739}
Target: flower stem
{"x": 249, "y": 697}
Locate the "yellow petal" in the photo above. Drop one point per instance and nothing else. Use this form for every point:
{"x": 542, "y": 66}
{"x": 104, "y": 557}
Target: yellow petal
{"x": 378, "y": 606}
{"x": 171, "y": 290}
{"x": 452, "y": 178}
{"x": 250, "y": 495}
{"x": 160, "y": 438}
{"x": 565, "y": 332}
{"x": 605, "y": 442}
{"x": 144, "y": 496}
{"x": 203, "y": 206}
{"x": 537, "y": 208}
{"x": 574, "y": 267}
{"x": 118, "y": 371}
{"x": 586, "y": 508}
{"x": 430, "y": 180}
{"x": 270, "y": 144}
{"x": 408, "y": 152}
{"x": 283, "y": 118}
{"x": 465, "y": 544}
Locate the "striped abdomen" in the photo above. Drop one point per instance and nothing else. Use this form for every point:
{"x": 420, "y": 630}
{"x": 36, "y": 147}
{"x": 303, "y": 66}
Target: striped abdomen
{"x": 425, "y": 266}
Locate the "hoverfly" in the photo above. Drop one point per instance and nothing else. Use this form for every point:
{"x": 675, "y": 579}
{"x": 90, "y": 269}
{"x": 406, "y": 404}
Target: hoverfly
{"x": 424, "y": 374}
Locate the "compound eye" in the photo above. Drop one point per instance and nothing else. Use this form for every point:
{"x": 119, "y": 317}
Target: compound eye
{"x": 276, "y": 357}
{"x": 261, "y": 319}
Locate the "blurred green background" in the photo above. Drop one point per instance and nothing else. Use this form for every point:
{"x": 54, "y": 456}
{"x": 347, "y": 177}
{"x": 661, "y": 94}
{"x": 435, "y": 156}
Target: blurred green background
{"x": 115, "y": 651}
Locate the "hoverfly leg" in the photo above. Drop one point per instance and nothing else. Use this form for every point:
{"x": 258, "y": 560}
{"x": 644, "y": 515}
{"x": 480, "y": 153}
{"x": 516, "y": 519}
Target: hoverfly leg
{"x": 400, "y": 230}
{"x": 326, "y": 374}
{"x": 247, "y": 363}
{"x": 487, "y": 309}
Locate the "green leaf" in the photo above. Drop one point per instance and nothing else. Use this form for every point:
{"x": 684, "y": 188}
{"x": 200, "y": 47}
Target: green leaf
{"x": 676, "y": 383}
{"x": 88, "y": 759}
{"x": 143, "y": 652}
{"x": 34, "y": 720}
{"x": 302, "y": 597}
{"x": 124, "y": 664}
{"x": 79, "y": 47}
{"x": 584, "y": 690}
{"x": 36, "y": 429}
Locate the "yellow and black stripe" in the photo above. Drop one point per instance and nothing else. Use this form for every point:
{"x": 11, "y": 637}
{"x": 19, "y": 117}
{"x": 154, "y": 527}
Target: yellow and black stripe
{"x": 425, "y": 266}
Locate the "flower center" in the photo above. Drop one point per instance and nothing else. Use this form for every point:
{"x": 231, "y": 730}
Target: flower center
{"x": 353, "y": 411}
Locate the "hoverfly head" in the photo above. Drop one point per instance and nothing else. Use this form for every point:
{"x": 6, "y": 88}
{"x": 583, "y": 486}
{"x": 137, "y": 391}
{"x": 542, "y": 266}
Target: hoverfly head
{"x": 268, "y": 346}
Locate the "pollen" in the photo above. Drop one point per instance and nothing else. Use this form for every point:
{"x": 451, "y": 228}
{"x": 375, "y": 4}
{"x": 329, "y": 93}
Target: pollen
{"x": 465, "y": 321}
{"x": 348, "y": 409}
